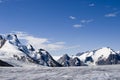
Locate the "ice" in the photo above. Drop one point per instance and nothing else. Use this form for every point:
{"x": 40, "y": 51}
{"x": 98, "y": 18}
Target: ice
{"x": 109, "y": 72}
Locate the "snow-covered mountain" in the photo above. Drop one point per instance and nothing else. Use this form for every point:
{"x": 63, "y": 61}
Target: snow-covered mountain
{"x": 65, "y": 60}
{"x": 14, "y": 53}
{"x": 17, "y": 54}
{"x": 102, "y": 56}
{"x": 44, "y": 58}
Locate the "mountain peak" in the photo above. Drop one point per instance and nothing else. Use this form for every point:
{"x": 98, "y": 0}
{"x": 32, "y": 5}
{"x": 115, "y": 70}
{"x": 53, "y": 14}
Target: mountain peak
{"x": 66, "y": 57}
{"x": 12, "y": 49}
{"x": 12, "y": 38}
{"x": 98, "y": 54}
{"x": 105, "y": 48}
{"x": 65, "y": 60}
{"x": 1, "y": 37}
{"x": 2, "y": 41}
{"x": 30, "y": 47}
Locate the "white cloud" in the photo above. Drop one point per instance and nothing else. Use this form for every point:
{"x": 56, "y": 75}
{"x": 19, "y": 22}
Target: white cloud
{"x": 56, "y": 48}
{"x": 82, "y": 23}
{"x": 78, "y": 25}
{"x": 92, "y": 5}
{"x": 114, "y": 14}
{"x": 40, "y": 42}
{"x": 72, "y": 17}
{"x": 86, "y": 21}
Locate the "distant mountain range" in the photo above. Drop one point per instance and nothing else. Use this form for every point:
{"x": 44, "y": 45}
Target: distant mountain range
{"x": 15, "y": 54}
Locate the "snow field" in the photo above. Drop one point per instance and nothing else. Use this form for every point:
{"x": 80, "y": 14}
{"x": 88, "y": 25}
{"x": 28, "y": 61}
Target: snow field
{"x": 110, "y": 72}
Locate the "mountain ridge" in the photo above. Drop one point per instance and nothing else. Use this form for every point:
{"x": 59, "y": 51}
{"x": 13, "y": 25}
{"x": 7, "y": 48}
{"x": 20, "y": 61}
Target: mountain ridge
{"x": 12, "y": 49}
{"x": 14, "y": 53}
{"x": 95, "y": 56}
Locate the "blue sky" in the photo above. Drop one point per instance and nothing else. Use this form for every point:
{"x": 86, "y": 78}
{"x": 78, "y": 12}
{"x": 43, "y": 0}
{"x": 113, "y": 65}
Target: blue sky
{"x": 69, "y": 26}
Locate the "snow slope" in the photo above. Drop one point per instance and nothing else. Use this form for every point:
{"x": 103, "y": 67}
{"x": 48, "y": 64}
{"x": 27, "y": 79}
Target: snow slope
{"x": 17, "y": 54}
{"x": 8, "y": 50}
{"x": 56, "y": 57}
{"x": 65, "y": 73}
{"x": 11, "y": 53}
{"x": 96, "y": 55}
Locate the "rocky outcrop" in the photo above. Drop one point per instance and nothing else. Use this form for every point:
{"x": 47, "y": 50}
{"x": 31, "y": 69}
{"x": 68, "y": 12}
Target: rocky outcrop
{"x": 2, "y": 41}
{"x": 44, "y": 58}
{"x": 65, "y": 60}
{"x": 5, "y": 64}
{"x": 112, "y": 59}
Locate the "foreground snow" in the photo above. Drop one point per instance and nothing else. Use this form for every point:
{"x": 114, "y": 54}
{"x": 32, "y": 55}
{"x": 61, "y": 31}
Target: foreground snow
{"x": 111, "y": 72}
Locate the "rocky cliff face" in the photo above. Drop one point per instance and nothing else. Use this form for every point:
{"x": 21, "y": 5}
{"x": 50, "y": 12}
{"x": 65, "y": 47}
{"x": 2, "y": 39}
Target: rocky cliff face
{"x": 65, "y": 60}
{"x": 2, "y": 41}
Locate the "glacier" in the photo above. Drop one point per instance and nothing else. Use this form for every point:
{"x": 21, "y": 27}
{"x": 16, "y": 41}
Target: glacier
{"x": 106, "y": 72}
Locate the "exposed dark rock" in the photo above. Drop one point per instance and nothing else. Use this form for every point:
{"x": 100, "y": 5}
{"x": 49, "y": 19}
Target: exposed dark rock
{"x": 30, "y": 47}
{"x": 2, "y": 41}
{"x": 79, "y": 54}
{"x": 13, "y": 39}
{"x": 65, "y": 60}
{"x": 46, "y": 59}
{"x": 88, "y": 59}
{"x": 75, "y": 62}
{"x": 112, "y": 59}
{"x": 5, "y": 64}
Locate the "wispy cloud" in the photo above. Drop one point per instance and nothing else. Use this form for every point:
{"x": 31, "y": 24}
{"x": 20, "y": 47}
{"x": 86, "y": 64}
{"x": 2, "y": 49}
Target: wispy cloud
{"x": 111, "y": 7}
{"x": 91, "y": 5}
{"x": 72, "y": 17}
{"x": 56, "y": 48}
{"x": 82, "y": 23}
{"x": 77, "y": 25}
{"x": 38, "y": 42}
{"x": 86, "y": 21}
{"x": 114, "y": 14}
